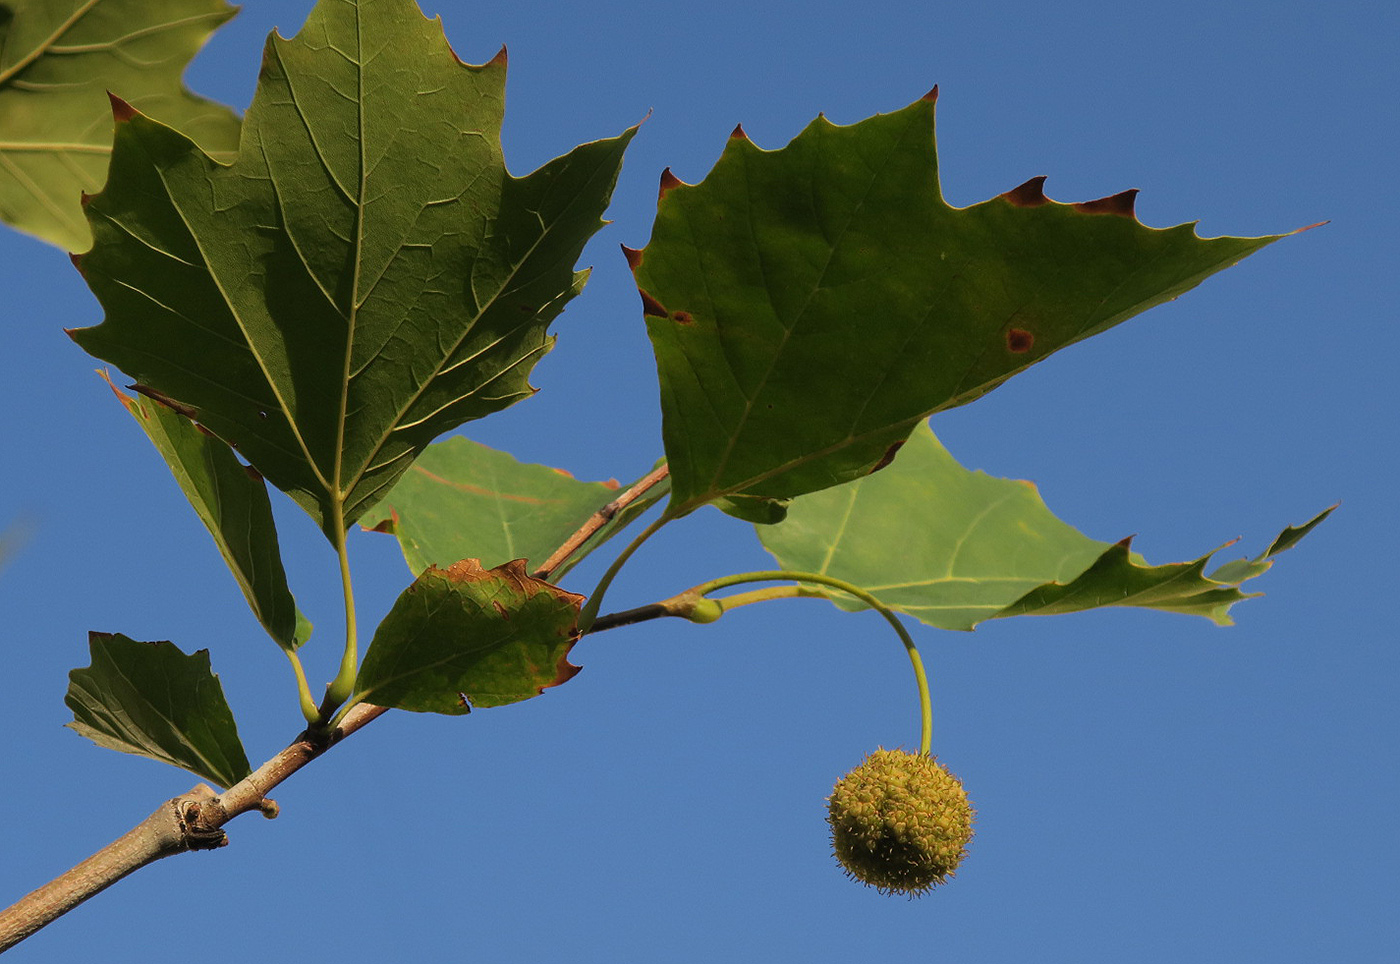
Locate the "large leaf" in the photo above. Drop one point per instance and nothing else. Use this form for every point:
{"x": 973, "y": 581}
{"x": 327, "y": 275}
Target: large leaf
{"x": 231, "y": 500}
{"x": 152, "y": 700}
{"x": 809, "y": 306}
{"x": 58, "y": 60}
{"x": 464, "y": 500}
{"x": 954, "y": 548}
{"x": 466, "y": 636}
{"x": 364, "y": 277}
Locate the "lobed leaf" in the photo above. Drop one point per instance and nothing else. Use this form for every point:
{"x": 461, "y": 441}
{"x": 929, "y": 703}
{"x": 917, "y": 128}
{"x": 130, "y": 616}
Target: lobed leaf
{"x": 464, "y": 500}
{"x": 809, "y": 306}
{"x": 954, "y": 548}
{"x": 58, "y": 60}
{"x": 466, "y": 636}
{"x": 151, "y": 700}
{"x": 365, "y": 276}
{"x": 231, "y": 500}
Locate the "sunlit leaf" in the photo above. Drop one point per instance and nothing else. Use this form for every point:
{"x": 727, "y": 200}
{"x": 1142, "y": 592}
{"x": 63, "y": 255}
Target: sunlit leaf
{"x": 58, "y": 60}
{"x": 232, "y": 503}
{"x": 954, "y": 548}
{"x": 364, "y": 277}
{"x": 151, "y": 700}
{"x": 463, "y": 500}
{"x": 809, "y": 306}
{"x": 466, "y": 636}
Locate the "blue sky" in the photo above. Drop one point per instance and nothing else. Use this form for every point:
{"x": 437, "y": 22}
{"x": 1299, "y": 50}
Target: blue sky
{"x": 1150, "y": 787}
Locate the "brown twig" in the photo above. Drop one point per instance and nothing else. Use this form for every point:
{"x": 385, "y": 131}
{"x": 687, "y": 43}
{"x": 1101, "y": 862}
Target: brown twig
{"x": 191, "y": 821}
{"x": 599, "y": 519}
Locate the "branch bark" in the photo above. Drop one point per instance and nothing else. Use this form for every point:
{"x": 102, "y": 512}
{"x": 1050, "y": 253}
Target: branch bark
{"x": 191, "y": 821}
{"x": 599, "y": 519}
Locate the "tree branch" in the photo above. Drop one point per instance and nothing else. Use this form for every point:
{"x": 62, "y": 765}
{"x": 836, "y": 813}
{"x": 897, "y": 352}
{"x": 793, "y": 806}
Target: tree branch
{"x": 191, "y": 821}
{"x": 599, "y": 519}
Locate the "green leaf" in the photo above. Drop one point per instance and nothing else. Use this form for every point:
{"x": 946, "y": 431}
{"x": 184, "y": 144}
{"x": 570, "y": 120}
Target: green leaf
{"x": 809, "y": 306}
{"x": 231, "y": 500}
{"x": 58, "y": 60}
{"x": 152, "y": 700}
{"x": 364, "y": 277}
{"x": 466, "y": 636}
{"x": 464, "y": 500}
{"x": 953, "y": 548}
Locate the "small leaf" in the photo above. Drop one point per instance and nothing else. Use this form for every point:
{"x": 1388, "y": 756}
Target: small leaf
{"x": 954, "y": 548}
{"x": 151, "y": 700}
{"x": 466, "y": 636}
{"x": 365, "y": 276}
{"x": 58, "y": 60}
{"x": 463, "y": 500}
{"x": 809, "y": 306}
{"x": 233, "y": 505}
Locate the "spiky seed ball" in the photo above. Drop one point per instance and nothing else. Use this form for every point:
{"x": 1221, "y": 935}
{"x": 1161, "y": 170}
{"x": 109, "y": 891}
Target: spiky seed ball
{"x": 900, "y": 822}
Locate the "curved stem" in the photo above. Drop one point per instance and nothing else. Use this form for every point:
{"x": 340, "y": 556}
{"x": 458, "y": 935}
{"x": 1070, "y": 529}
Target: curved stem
{"x": 308, "y": 702}
{"x": 920, "y": 677}
{"x": 595, "y": 598}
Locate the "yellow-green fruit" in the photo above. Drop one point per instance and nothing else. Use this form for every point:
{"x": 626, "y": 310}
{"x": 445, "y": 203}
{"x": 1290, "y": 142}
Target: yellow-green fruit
{"x": 900, "y": 822}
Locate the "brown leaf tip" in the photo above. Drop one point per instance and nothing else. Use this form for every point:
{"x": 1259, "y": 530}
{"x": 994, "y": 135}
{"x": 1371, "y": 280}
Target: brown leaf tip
{"x": 931, "y": 96}
{"x": 121, "y": 110}
{"x": 888, "y": 457}
{"x": 668, "y": 181}
{"x": 1019, "y": 341}
{"x": 633, "y": 256}
{"x": 500, "y": 59}
{"x": 650, "y": 306}
{"x": 738, "y": 133}
{"x": 1120, "y": 204}
{"x": 1028, "y": 195}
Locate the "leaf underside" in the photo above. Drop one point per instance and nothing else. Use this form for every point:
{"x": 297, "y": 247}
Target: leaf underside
{"x": 232, "y": 503}
{"x": 954, "y": 548}
{"x": 809, "y": 306}
{"x": 465, "y": 636}
{"x": 151, "y": 700}
{"x": 58, "y": 60}
{"x": 365, "y": 276}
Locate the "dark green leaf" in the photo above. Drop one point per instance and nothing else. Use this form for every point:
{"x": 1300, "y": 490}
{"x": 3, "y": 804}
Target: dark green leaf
{"x": 954, "y": 548}
{"x": 152, "y": 700}
{"x": 58, "y": 60}
{"x": 232, "y": 502}
{"x": 466, "y": 636}
{"x": 364, "y": 277}
{"x": 809, "y": 306}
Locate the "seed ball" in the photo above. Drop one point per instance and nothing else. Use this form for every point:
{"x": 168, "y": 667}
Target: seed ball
{"x": 900, "y": 822}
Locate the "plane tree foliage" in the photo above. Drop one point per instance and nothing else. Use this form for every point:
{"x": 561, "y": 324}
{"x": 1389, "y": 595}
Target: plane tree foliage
{"x": 314, "y": 298}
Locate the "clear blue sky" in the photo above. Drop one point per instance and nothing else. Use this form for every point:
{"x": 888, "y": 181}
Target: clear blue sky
{"x": 1151, "y": 787}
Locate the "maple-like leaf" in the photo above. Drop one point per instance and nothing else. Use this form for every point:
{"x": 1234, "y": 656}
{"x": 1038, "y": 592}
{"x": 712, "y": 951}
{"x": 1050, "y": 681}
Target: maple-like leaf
{"x": 365, "y": 276}
{"x": 809, "y": 306}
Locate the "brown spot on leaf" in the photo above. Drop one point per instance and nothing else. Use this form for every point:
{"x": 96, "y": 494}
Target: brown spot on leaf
{"x": 121, "y": 110}
{"x": 1028, "y": 195}
{"x": 84, "y": 198}
{"x": 1019, "y": 341}
{"x": 564, "y": 672}
{"x": 1120, "y": 204}
{"x": 253, "y": 473}
{"x": 650, "y": 306}
{"x": 668, "y": 182}
{"x": 888, "y": 457}
{"x": 932, "y": 95}
{"x": 463, "y": 702}
{"x": 77, "y": 260}
{"x": 633, "y": 256}
{"x": 738, "y": 133}
{"x": 682, "y": 318}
